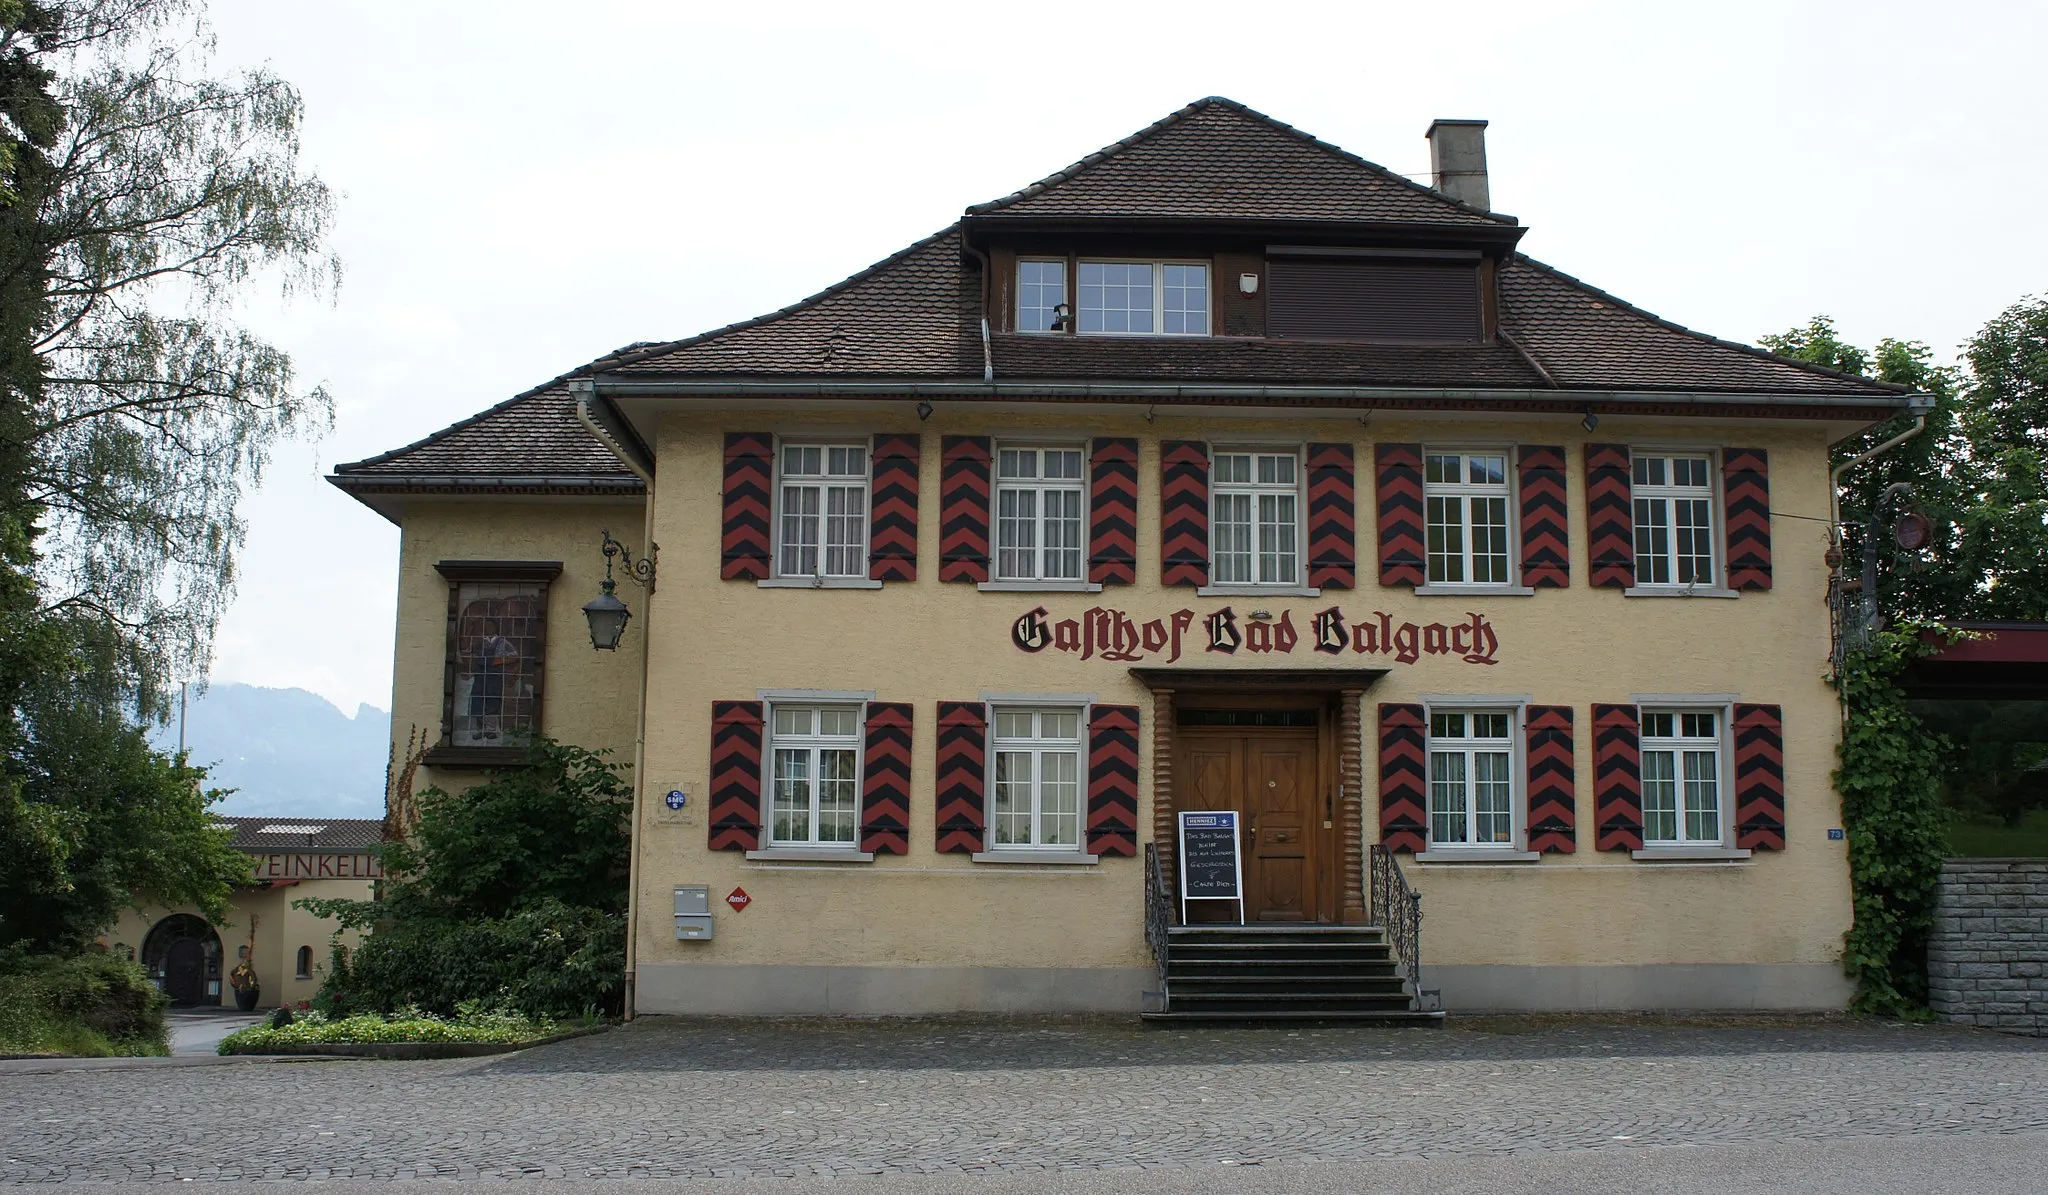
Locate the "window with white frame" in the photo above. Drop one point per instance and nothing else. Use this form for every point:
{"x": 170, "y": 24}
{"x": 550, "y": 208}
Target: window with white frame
{"x": 1041, "y": 287}
{"x": 1471, "y": 778}
{"x": 1039, "y": 500}
{"x": 1144, "y": 297}
{"x": 823, "y": 528}
{"x": 1035, "y": 802}
{"x": 1254, "y": 518}
{"x": 1681, "y": 777}
{"x": 814, "y": 781}
{"x": 1466, "y": 499}
{"x": 1674, "y": 500}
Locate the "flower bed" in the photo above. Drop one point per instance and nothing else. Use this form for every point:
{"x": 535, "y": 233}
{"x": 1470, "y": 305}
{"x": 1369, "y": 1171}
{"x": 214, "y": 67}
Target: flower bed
{"x": 312, "y": 1032}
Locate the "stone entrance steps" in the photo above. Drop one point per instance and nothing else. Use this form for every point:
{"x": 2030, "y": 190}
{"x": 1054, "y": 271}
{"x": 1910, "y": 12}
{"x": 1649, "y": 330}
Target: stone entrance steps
{"x": 1250, "y": 973}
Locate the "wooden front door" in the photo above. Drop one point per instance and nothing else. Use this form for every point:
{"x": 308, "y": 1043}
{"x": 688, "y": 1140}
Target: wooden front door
{"x": 185, "y": 972}
{"x": 1271, "y": 778}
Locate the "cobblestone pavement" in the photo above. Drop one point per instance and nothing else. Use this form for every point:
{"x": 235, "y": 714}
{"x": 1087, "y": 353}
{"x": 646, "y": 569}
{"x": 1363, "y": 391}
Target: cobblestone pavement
{"x": 664, "y": 1098}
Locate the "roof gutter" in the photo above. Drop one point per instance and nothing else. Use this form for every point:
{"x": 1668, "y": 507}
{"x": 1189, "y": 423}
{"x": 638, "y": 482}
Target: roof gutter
{"x": 1136, "y": 392}
{"x": 585, "y": 391}
{"x": 401, "y": 481}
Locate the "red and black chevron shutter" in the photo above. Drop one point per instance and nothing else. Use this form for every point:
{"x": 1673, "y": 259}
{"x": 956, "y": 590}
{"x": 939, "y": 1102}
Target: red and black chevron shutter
{"x": 1759, "y": 777}
{"x": 1553, "y": 799}
{"x": 892, "y": 526}
{"x": 963, "y": 508}
{"x": 735, "y": 775}
{"x": 1546, "y": 535}
{"x": 1113, "y": 780}
{"x": 1618, "y": 777}
{"x": 1113, "y": 512}
{"x": 1610, "y": 517}
{"x": 885, "y": 780}
{"x": 1399, "y": 496}
{"x": 1183, "y": 512}
{"x": 1332, "y": 517}
{"x": 1746, "y": 484}
{"x": 962, "y": 773}
{"x": 743, "y": 530}
{"x": 1404, "y": 771}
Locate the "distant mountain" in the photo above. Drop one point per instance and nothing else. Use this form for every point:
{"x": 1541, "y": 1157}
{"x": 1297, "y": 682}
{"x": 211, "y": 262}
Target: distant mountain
{"x": 286, "y": 752}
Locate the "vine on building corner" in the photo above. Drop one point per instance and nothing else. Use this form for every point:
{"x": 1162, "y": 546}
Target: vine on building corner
{"x": 1889, "y": 779}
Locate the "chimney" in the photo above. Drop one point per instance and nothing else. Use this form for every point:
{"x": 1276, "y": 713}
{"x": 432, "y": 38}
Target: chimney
{"x": 1457, "y": 160}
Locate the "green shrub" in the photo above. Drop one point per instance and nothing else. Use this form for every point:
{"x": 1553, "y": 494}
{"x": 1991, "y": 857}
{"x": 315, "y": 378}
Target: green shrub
{"x": 547, "y": 959}
{"x": 93, "y": 1005}
{"x": 473, "y": 1023}
{"x": 512, "y": 892}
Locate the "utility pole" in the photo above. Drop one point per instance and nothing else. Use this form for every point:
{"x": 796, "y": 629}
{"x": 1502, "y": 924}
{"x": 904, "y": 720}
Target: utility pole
{"x": 183, "y": 686}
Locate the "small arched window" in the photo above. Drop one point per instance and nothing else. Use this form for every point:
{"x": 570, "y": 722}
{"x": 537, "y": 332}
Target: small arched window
{"x": 305, "y": 962}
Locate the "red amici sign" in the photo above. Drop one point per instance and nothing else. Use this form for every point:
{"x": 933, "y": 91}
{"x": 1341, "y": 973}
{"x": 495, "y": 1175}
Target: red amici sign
{"x": 296, "y": 866}
{"x": 1102, "y": 632}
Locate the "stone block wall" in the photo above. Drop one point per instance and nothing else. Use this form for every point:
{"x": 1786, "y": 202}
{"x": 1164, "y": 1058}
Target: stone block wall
{"x": 1987, "y": 960}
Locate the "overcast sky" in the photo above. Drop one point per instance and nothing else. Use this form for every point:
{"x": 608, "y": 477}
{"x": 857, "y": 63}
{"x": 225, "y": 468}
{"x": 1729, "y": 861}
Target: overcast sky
{"x": 526, "y": 186}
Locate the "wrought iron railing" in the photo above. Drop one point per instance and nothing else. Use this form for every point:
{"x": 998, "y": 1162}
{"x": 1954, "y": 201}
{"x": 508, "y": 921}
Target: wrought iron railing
{"x": 1158, "y": 914}
{"x": 1399, "y": 910}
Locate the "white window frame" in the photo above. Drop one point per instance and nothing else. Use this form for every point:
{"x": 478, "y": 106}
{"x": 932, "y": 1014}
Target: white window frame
{"x": 824, "y": 482}
{"x": 1254, "y": 490}
{"x": 1667, "y": 494}
{"x": 1158, "y": 267}
{"x": 1469, "y": 746}
{"x": 1679, "y": 745}
{"x": 1465, "y": 492}
{"x": 1039, "y": 486}
{"x": 1064, "y": 300}
{"x": 1038, "y": 746}
{"x": 813, "y": 744}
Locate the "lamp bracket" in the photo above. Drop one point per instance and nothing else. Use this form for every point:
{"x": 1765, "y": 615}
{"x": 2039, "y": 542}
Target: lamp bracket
{"x": 640, "y": 572}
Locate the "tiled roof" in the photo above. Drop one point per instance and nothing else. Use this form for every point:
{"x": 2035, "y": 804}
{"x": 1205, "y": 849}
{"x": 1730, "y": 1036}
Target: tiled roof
{"x": 305, "y": 833}
{"x": 1198, "y": 359}
{"x": 916, "y": 313}
{"x": 530, "y": 434}
{"x": 1217, "y": 159}
{"x": 915, "y": 316}
{"x": 1586, "y": 338}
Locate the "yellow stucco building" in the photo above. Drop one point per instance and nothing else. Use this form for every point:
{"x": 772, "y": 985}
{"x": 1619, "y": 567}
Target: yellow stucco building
{"x": 290, "y": 859}
{"x": 1221, "y": 473}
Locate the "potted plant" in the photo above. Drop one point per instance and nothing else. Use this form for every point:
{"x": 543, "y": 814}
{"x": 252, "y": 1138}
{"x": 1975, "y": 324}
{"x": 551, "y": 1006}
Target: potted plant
{"x": 243, "y": 980}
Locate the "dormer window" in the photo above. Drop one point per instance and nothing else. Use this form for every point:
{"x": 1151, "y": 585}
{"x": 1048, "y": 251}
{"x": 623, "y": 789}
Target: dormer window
{"x": 1041, "y": 291}
{"x": 1138, "y": 297}
{"x": 1114, "y": 298}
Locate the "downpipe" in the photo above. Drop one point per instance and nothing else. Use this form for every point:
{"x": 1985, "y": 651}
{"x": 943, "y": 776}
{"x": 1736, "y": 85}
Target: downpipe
{"x": 584, "y": 394}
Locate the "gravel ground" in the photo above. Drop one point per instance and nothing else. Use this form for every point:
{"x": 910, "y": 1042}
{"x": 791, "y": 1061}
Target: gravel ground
{"x": 1052, "y": 1099}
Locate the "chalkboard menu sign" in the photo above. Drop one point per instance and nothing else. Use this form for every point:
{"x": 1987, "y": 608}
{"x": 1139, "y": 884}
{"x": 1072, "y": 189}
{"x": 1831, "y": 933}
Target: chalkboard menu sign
{"x": 1209, "y": 864}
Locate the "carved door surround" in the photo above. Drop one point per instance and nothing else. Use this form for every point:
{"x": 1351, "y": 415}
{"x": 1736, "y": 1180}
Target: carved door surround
{"x": 1285, "y": 747}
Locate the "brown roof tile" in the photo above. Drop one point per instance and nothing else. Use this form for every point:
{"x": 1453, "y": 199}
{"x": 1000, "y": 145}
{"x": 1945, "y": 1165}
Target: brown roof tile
{"x": 531, "y": 434}
{"x": 1219, "y": 160}
{"x": 1200, "y": 359}
{"x": 915, "y": 313}
{"x": 1586, "y": 338}
{"x": 305, "y": 833}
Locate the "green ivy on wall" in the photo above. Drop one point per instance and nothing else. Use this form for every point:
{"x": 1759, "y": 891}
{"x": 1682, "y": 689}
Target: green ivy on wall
{"x": 1889, "y": 781}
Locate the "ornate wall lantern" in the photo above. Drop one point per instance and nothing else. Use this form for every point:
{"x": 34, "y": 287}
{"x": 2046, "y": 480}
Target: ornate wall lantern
{"x": 608, "y": 615}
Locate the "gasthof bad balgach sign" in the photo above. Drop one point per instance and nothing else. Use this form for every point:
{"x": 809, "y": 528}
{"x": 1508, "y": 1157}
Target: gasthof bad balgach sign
{"x": 1106, "y": 633}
